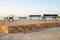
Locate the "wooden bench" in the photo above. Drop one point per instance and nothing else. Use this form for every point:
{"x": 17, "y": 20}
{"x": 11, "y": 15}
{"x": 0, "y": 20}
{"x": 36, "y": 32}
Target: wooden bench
{"x": 22, "y": 17}
{"x": 53, "y": 16}
{"x": 34, "y": 16}
{"x": 58, "y": 16}
{"x": 9, "y": 17}
{"x": 5, "y": 18}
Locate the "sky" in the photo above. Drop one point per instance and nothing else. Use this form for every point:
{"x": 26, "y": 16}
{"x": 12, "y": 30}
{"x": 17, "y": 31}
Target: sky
{"x": 28, "y": 7}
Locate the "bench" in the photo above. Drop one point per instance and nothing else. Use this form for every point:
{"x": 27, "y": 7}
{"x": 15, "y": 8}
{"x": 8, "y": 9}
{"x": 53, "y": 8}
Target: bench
{"x": 22, "y": 17}
{"x": 9, "y": 17}
{"x": 34, "y": 16}
{"x": 53, "y": 16}
{"x": 58, "y": 16}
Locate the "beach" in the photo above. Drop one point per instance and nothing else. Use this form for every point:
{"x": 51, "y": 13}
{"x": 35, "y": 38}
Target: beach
{"x": 44, "y": 33}
{"x": 47, "y": 34}
{"x": 29, "y": 19}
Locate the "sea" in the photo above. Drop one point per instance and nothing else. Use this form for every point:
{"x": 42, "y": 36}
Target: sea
{"x": 17, "y": 17}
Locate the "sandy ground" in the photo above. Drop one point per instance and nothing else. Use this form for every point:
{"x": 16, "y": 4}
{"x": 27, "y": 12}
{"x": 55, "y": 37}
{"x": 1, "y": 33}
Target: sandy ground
{"x": 2, "y": 33}
{"x": 47, "y": 34}
{"x": 26, "y": 22}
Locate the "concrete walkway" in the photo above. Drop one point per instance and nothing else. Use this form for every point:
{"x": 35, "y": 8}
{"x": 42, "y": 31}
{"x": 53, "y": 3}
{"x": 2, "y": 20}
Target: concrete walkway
{"x": 2, "y": 33}
{"x": 47, "y": 34}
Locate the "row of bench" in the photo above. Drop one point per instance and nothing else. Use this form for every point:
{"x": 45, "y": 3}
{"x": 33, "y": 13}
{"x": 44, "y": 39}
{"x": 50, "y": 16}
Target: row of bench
{"x": 53, "y": 16}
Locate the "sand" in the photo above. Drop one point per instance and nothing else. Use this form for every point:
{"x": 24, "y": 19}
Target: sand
{"x": 47, "y": 34}
{"x": 26, "y": 22}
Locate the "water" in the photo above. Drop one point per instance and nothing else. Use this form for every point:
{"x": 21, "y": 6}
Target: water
{"x": 17, "y": 17}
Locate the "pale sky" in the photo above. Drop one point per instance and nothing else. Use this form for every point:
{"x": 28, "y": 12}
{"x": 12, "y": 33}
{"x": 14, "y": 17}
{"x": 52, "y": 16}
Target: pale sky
{"x": 27, "y": 7}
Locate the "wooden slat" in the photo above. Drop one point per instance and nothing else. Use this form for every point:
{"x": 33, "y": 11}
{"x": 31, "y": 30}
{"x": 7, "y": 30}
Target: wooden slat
{"x": 35, "y": 15}
{"x": 50, "y": 15}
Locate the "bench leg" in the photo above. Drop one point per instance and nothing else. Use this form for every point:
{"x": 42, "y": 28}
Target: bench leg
{"x": 44, "y": 19}
{"x": 4, "y": 19}
{"x": 12, "y": 19}
{"x": 55, "y": 19}
{"x": 8, "y": 19}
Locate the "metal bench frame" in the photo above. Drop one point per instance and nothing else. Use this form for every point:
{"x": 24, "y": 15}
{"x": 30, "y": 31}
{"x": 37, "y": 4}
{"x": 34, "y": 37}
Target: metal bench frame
{"x": 34, "y": 16}
{"x": 53, "y": 16}
{"x": 22, "y": 17}
{"x": 8, "y": 18}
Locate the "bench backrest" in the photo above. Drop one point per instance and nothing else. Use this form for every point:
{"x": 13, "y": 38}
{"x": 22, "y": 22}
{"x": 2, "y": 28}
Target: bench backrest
{"x": 22, "y": 17}
{"x": 54, "y": 15}
{"x": 34, "y": 15}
